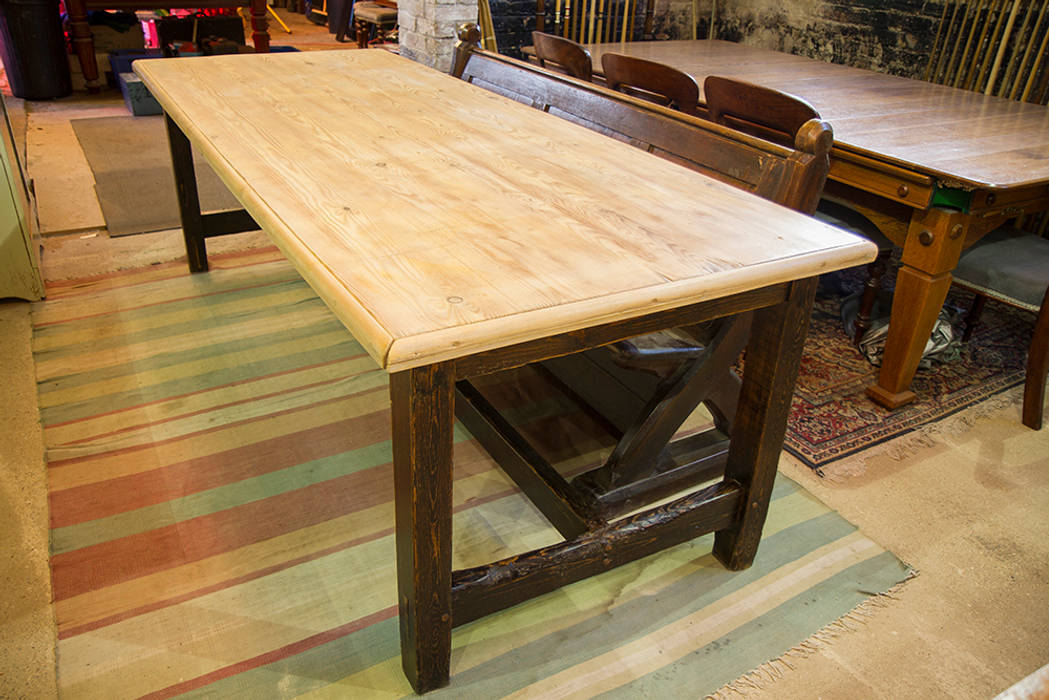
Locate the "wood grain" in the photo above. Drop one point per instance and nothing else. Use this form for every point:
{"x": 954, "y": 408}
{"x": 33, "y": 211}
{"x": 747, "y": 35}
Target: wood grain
{"x": 438, "y": 220}
{"x": 960, "y": 136}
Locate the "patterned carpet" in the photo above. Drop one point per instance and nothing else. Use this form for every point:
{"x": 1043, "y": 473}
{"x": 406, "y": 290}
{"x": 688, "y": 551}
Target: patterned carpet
{"x": 222, "y": 521}
{"x": 831, "y": 417}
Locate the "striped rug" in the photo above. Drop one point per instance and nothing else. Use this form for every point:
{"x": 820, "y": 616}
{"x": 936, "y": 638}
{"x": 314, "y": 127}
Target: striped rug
{"x": 222, "y": 518}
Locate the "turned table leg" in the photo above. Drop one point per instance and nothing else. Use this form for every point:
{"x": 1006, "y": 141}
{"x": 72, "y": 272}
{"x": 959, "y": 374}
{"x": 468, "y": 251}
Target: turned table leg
{"x": 422, "y": 404}
{"x": 934, "y": 242}
{"x": 260, "y": 36}
{"x": 83, "y": 43}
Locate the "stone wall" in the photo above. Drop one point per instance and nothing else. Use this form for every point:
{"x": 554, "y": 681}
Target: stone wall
{"x": 427, "y": 29}
{"x": 890, "y": 36}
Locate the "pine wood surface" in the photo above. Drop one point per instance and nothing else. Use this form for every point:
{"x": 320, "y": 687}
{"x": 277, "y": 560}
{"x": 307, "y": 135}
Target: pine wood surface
{"x": 961, "y": 137}
{"x": 438, "y": 220}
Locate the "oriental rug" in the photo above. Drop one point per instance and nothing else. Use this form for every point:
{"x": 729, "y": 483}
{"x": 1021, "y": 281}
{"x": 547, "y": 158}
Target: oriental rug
{"x": 222, "y": 518}
{"x": 831, "y": 417}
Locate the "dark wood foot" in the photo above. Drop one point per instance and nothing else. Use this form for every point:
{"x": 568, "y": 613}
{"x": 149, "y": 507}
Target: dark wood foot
{"x": 773, "y": 359}
{"x": 1037, "y": 368}
{"x": 422, "y": 405}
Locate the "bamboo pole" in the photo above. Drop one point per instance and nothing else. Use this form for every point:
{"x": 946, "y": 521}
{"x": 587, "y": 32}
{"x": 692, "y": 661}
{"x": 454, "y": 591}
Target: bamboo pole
{"x": 1027, "y": 52}
{"x": 711, "y": 34}
{"x": 935, "y": 42}
{"x": 949, "y": 69}
{"x": 626, "y": 16}
{"x": 1034, "y": 70}
{"x": 985, "y": 45}
{"x": 1002, "y": 44}
{"x": 978, "y": 47}
{"x": 1014, "y": 57}
{"x": 939, "y": 72}
{"x": 601, "y": 21}
{"x": 593, "y": 20}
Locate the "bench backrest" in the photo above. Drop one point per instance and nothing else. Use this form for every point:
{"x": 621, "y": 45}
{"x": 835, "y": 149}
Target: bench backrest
{"x": 791, "y": 177}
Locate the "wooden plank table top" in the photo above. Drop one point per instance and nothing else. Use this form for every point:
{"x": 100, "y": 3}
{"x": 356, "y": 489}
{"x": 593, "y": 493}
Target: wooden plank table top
{"x": 438, "y": 220}
{"x": 963, "y": 138}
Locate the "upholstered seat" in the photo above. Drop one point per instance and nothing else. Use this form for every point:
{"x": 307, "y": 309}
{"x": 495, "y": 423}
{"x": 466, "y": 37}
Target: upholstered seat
{"x": 1013, "y": 267}
{"x": 1008, "y": 265}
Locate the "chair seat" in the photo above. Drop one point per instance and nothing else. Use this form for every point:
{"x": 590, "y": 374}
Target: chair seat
{"x": 375, "y": 13}
{"x": 1009, "y": 265}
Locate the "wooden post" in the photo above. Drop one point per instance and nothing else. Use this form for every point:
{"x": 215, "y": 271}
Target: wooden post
{"x": 422, "y": 405}
{"x": 188, "y": 200}
{"x": 772, "y": 362}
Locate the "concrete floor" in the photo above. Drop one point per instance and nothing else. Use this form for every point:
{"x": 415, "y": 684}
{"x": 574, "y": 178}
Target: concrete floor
{"x": 966, "y": 503}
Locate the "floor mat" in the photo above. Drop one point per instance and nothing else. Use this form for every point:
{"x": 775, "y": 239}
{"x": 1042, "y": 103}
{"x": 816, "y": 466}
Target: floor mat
{"x": 222, "y": 518}
{"x": 131, "y": 163}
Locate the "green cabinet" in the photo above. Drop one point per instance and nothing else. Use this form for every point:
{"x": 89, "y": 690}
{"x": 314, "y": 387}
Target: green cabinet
{"x": 19, "y": 257}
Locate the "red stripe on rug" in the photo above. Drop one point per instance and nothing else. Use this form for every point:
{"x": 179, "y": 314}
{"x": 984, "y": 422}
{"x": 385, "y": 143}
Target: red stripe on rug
{"x": 101, "y": 499}
{"x": 147, "y": 448}
{"x": 176, "y": 397}
{"x": 269, "y": 657}
{"x": 164, "y": 270}
{"x": 108, "y": 563}
{"x": 66, "y": 633}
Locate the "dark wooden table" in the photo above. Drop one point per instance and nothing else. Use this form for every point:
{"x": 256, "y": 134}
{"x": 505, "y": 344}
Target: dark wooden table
{"x": 934, "y": 167}
{"x": 457, "y": 233}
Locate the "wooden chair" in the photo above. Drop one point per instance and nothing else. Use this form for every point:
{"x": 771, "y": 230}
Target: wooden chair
{"x": 369, "y": 18}
{"x": 567, "y": 55}
{"x": 777, "y": 116}
{"x": 645, "y": 387}
{"x": 1012, "y": 267}
{"x": 650, "y": 80}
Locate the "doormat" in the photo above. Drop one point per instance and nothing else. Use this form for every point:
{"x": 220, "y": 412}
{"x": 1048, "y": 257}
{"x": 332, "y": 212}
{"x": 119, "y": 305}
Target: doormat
{"x": 831, "y": 416}
{"x": 221, "y": 497}
{"x": 131, "y": 163}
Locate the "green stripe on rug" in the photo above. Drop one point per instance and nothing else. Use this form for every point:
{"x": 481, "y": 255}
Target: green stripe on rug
{"x": 199, "y": 548}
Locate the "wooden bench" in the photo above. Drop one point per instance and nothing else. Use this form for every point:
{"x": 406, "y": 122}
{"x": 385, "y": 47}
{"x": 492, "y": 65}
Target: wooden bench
{"x": 644, "y": 387}
{"x": 791, "y": 177}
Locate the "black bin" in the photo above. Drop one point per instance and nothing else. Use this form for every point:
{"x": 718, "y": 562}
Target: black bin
{"x": 33, "y": 49}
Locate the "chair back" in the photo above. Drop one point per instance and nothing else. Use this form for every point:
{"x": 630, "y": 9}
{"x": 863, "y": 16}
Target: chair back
{"x": 565, "y": 54}
{"x": 649, "y": 80}
{"x": 789, "y": 175}
{"x": 756, "y": 109}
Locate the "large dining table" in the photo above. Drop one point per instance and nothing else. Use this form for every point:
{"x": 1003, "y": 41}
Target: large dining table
{"x": 934, "y": 167}
{"x": 457, "y": 233}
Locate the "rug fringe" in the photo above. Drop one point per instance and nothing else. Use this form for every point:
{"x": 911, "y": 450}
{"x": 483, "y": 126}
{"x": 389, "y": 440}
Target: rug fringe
{"x": 906, "y": 446}
{"x": 771, "y": 671}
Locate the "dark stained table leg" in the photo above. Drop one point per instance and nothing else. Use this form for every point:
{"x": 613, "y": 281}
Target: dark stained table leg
{"x": 770, "y": 369}
{"x": 83, "y": 42}
{"x": 188, "y": 201}
{"x": 422, "y": 404}
{"x": 260, "y": 36}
